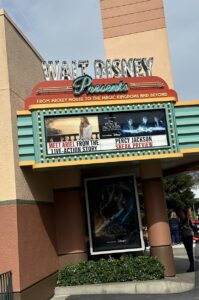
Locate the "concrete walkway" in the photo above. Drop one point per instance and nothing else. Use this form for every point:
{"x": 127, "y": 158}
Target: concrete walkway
{"x": 180, "y": 283}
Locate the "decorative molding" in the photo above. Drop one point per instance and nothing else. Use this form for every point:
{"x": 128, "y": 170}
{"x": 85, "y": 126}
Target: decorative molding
{"x": 23, "y": 202}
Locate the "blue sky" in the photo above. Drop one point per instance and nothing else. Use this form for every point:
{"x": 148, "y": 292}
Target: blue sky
{"x": 182, "y": 18}
{"x": 66, "y": 29}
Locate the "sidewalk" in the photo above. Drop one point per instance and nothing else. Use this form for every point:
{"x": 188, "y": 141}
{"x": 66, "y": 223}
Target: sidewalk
{"x": 180, "y": 283}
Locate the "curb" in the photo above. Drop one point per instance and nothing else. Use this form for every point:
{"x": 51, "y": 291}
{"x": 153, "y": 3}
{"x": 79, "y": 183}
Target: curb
{"x": 180, "y": 283}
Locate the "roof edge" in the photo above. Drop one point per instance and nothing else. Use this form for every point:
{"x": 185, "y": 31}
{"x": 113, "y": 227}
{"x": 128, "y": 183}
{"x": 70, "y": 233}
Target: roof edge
{"x": 4, "y": 13}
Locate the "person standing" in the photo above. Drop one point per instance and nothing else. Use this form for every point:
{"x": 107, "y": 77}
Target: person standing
{"x": 174, "y": 225}
{"x": 85, "y": 129}
{"x": 186, "y": 229}
{"x": 144, "y": 124}
{"x": 128, "y": 127}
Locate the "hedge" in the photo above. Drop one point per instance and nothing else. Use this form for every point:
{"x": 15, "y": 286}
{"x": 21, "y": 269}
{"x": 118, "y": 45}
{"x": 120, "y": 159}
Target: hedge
{"x": 126, "y": 268}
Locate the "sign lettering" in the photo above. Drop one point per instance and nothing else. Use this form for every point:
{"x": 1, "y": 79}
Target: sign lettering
{"x": 117, "y": 68}
{"x": 83, "y": 84}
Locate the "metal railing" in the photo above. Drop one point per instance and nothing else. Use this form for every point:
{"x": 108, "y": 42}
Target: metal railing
{"x": 6, "y": 291}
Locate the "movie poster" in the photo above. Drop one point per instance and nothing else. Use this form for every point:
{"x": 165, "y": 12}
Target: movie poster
{"x": 109, "y": 131}
{"x": 135, "y": 123}
{"x": 67, "y": 135}
{"x": 113, "y": 215}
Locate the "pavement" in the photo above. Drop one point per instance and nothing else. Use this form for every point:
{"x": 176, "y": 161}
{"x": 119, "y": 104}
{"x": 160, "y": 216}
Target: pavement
{"x": 183, "y": 282}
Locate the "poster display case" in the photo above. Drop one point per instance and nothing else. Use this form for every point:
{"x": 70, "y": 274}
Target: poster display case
{"x": 113, "y": 215}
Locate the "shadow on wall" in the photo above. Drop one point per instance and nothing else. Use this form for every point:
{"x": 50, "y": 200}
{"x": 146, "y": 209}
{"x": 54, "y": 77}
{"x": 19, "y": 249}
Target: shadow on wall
{"x": 36, "y": 229}
{"x": 40, "y": 187}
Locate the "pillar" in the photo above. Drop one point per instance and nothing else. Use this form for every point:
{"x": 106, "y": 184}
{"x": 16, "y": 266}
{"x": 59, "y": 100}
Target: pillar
{"x": 70, "y": 217}
{"x": 156, "y": 215}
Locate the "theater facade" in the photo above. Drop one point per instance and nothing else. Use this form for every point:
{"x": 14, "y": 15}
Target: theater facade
{"x": 116, "y": 133}
{"x": 79, "y": 150}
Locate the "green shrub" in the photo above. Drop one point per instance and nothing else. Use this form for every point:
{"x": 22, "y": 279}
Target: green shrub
{"x": 126, "y": 268}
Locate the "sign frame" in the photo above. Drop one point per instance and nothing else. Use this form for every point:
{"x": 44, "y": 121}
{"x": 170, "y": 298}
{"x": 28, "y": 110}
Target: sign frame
{"x": 43, "y": 159}
{"x": 127, "y": 141}
{"x": 56, "y": 98}
{"x": 89, "y": 222}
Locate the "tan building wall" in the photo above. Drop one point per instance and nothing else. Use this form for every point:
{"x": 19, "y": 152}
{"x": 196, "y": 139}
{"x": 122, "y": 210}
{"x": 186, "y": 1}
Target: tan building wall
{"x": 21, "y": 70}
{"x": 7, "y": 182}
{"x": 27, "y": 229}
{"x": 136, "y": 29}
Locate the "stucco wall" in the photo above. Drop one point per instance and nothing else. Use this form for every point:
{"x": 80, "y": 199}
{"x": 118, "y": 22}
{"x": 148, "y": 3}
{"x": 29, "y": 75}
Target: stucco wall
{"x": 9, "y": 254}
{"x": 136, "y": 29}
{"x": 37, "y": 243}
{"x": 7, "y": 183}
{"x": 26, "y": 227}
{"x": 20, "y": 71}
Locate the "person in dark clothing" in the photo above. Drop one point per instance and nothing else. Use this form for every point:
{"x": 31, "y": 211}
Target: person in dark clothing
{"x": 174, "y": 225}
{"x": 186, "y": 229}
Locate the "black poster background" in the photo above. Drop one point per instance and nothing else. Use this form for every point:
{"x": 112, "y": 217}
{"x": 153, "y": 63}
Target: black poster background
{"x": 113, "y": 214}
{"x": 141, "y": 123}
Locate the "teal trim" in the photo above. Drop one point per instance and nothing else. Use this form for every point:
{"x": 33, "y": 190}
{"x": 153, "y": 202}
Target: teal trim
{"x": 25, "y": 131}
{"x": 24, "y": 120}
{"x": 189, "y": 137}
{"x": 36, "y": 135}
{"x": 43, "y": 135}
{"x": 25, "y": 140}
{"x": 27, "y": 157}
{"x": 187, "y": 111}
{"x": 189, "y": 146}
{"x": 187, "y": 130}
{"x": 187, "y": 123}
{"x": 22, "y": 202}
{"x": 26, "y": 150}
{"x": 174, "y": 133}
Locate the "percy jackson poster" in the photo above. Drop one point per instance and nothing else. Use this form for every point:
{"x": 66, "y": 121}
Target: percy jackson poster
{"x": 113, "y": 215}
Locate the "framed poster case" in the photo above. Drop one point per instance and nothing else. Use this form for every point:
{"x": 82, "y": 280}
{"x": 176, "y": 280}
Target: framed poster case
{"x": 66, "y": 135}
{"x": 113, "y": 215}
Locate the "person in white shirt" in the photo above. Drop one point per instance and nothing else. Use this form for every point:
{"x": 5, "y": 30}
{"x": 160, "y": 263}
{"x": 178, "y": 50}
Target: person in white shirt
{"x": 85, "y": 129}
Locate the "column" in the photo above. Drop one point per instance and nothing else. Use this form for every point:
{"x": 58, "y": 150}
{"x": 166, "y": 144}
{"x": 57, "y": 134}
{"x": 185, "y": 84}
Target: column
{"x": 156, "y": 215}
{"x": 70, "y": 218}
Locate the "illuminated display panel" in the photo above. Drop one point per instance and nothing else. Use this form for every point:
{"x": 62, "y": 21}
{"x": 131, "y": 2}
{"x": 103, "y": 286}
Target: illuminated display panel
{"x": 105, "y": 131}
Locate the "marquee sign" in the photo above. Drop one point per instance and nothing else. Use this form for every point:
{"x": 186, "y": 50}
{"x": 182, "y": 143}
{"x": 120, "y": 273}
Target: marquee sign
{"x": 85, "y": 120}
{"x": 110, "y": 131}
{"x": 84, "y": 89}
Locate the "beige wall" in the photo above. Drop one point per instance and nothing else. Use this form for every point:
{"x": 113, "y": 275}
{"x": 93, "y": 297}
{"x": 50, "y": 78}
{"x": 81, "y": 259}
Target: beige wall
{"x": 24, "y": 62}
{"x": 122, "y": 17}
{"x": 27, "y": 231}
{"x": 21, "y": 71}
{"x": 136, "y": 29}
{"x": 7, "y": 184}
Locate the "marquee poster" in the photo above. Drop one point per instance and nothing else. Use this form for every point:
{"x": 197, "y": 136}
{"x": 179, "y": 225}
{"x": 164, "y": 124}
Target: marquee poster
{"x": 113, "y": 215}
{"x": 105, "y": 131}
